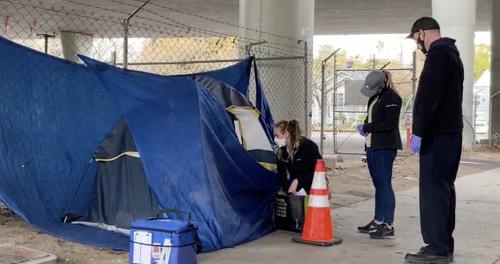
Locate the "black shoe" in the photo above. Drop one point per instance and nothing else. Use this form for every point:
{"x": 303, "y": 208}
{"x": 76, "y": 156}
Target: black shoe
{"x": 370, "y": 227}
{"x": 423, "y": 258}
{"x": 383, "y": 231}
{"x": 422, "y": 250}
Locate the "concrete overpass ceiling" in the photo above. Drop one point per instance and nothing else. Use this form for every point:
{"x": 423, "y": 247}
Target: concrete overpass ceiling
{"x": 332, "y": 16}
{"x": 381, "y": 16}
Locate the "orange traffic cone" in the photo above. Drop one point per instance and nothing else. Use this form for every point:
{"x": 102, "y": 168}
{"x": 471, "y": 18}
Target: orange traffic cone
{"x": 318, "y": 228}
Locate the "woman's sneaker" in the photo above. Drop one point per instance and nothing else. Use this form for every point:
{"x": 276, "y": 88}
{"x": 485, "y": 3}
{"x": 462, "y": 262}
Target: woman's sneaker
{"x": 383, "y": 231}
{"x": 370, "y": 227}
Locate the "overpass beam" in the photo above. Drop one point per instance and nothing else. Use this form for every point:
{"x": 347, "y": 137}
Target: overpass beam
{"x": 286, "y": 26}
{"x": 495, "y": 73}
{"x": 74, "y": 43}
{"x": 457, "y": 19}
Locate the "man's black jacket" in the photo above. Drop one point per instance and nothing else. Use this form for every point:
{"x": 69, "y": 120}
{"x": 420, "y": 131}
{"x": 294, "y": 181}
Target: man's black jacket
{"x": 438, "y": 103}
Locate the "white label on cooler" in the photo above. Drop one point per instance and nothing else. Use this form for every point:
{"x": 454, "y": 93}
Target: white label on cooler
{"x": 142, "y": 248}
{"x": 165, "y": 252}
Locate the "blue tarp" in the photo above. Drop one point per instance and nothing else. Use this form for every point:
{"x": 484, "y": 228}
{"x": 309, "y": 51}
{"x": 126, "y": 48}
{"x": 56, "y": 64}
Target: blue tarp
{"x": 239, "y": 77}
{"x": 54, "y": 113}
{"x": 266, "y": 118}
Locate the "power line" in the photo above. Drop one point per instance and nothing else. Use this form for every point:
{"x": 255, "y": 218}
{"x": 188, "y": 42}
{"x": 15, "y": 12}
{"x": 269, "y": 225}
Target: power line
{"x": 63, "y": 12}
{"x": 218, "y": 21}
{"x": 199, "y": 29}
{"x": 119, "y": 12}
{"x": 178, "y": 33}
{"x": 178, "y": 25}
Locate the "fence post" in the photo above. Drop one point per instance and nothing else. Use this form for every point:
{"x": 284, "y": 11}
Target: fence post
{"x": 414, "y": 77}
{"x": 408, "y": 131}
{"x": 474, "y": 106}
{"x": 322, "y": 131}
{"x": 46, "y": 41}
{"x": 306, "y": 70}
{"x": 113, "y": 57}
{"x": 322, "y": 109}
{"x": 125, "y": 43}
{"x": 490, "y": 130}
{"x": 334, "y": 118}
{"x": 413, "y": 91}
{"x": 126, "y": 23}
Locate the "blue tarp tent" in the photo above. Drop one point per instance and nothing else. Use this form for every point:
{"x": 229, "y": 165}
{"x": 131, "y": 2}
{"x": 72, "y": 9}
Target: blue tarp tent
{"x": 54, "y": 113}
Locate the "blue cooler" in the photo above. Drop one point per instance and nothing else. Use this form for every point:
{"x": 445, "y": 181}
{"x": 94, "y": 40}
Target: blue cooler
{"x": 162, "y": 241}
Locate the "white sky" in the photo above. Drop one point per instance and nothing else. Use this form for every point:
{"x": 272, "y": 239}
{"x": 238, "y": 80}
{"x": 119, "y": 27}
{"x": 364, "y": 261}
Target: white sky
{"x": 395, "y": 46}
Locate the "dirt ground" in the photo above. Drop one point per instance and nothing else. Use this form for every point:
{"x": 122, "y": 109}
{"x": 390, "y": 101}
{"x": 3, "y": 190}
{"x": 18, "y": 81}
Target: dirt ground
{"x": 349, "y": 182}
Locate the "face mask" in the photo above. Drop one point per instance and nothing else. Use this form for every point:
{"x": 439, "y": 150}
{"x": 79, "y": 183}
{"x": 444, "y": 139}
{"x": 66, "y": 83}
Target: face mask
{"x": 421, "y": 45}
{"x": 281, "y": 142}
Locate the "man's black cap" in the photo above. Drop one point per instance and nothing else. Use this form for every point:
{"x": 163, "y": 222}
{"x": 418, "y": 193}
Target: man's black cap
{"x": 423, "y": 23}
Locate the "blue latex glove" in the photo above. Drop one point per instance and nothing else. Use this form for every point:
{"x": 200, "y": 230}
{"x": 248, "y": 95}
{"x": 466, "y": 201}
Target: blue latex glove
{"x": 415, "y": 144}
{"x": 359, "y": 128}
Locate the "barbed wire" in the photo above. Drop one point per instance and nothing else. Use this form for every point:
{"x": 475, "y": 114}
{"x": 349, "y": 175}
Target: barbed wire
{"x": 279, "y": 51}
{"x": 63, "y": 12}
{"x": 211, "y": 19}
{"x": 247, "y": 39}
{"x": 268, "y": 44}
{"x": 179, "y": 33}
{"x": 125, "y": 14}
{"x": 163, "y": 30}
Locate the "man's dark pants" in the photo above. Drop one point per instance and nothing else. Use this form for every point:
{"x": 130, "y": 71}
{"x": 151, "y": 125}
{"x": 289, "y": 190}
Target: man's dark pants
{"x": 439, "y": 159}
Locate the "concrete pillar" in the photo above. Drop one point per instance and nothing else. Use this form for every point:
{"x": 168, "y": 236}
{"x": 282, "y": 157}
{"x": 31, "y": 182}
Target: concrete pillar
{"x": 457, "y": 19}
{"x": 281, "y": 23}
{"x": 74, "y": 43}
{"x": 495, "y": 73}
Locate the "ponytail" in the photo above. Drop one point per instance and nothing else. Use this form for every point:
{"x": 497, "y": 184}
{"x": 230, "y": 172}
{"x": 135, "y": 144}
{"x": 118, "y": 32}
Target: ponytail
{"x": 389, "y": 84}
{"x": 293, "y": 129}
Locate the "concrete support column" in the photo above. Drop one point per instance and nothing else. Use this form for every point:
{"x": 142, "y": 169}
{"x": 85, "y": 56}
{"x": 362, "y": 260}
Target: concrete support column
{"x": 282, "y": 23}
{"x": 495, "y": 73}
{"x": 457, "y": 19}
{"x": 74, "y": 43}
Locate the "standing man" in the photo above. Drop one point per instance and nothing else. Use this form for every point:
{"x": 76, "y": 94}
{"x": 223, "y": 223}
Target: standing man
{"x": 437, "y": 136}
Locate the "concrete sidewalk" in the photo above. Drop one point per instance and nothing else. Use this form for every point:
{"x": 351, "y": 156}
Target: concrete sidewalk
{"x": 477, "y": 233}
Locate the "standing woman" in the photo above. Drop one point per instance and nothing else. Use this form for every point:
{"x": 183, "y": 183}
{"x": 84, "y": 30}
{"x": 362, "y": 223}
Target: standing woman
{"x": 381, "y": 130}
{"x": 297, "y": 157}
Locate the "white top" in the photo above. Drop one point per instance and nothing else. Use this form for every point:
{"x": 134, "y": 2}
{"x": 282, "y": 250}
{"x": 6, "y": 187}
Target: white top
{"x": 369, "y": 136}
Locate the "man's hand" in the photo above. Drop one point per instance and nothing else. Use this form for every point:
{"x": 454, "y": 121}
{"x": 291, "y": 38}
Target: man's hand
{"x": 293, "y": 186}
{"x": 415, "y": 144}
{"x": 359, "y": 128}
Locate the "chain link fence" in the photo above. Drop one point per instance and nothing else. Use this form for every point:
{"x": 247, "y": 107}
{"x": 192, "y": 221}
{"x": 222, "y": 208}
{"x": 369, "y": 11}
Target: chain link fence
{"x": 481, "y": 113}
{"x": 147, "y": 38}
{"x": 345, "y": 106}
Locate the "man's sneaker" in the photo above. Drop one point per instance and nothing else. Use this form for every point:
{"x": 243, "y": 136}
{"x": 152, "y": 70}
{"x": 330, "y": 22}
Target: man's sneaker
{"x": 370, "y": 227}
{"x": 383, "y": 231}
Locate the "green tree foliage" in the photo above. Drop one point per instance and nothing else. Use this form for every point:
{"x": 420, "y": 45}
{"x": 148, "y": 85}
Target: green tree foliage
{"x": 482, "y": 56}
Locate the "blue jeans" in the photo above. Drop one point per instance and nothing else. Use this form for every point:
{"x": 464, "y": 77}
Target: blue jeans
{"x": 380, "y": 164}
